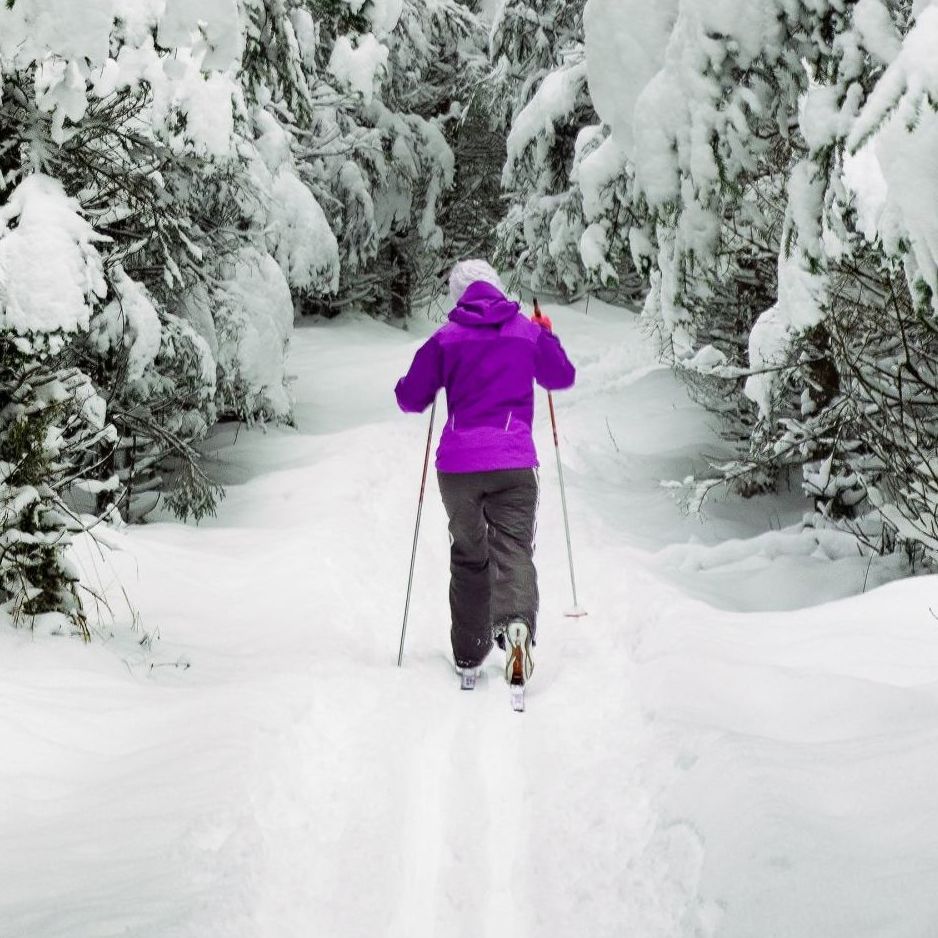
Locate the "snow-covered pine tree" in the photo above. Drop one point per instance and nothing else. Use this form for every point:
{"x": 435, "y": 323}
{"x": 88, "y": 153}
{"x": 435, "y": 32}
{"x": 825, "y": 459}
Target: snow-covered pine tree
{"x": 367, "y": 133}
{"x": 214, "y": 146}
{"x": 116, "y": 133}
{"x": 703, "y": 104}
{"x": 474, "y": 206}
{"x": 164, "y": 214}
{"x": 848, "y": 347}
{"x": 436, "y": 58}
{"x": 51, "y": 416}
{"x": 154, "y": 150}
{"x": 738, "y": 124}
{"x": 877, "y": 150}
{"x": 540, "y": 99}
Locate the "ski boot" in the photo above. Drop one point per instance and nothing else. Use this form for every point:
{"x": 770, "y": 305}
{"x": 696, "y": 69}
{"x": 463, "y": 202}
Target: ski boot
{"x": 518, "y": 661}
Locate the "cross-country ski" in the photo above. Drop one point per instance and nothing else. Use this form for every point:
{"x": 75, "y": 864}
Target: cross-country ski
{"x": 468, "y": 678}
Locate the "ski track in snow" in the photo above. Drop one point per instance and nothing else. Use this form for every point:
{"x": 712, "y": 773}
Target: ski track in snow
{"x": 291, "y": 782}
{"x": 467, "y": 815}
{"x": 421, "y": 849}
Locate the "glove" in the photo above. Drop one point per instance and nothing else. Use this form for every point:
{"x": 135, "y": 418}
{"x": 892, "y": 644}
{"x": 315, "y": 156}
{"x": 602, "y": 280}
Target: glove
{"x": 543, "y": 321}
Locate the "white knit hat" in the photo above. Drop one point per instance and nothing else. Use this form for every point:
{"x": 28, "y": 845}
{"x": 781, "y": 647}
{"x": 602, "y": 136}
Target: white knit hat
{"x": 469, "y": 272}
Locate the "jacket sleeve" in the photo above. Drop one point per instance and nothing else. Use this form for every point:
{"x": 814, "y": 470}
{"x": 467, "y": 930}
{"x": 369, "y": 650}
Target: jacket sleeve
{"x": 417, "y": 389}
{"x": 552, "y": 368}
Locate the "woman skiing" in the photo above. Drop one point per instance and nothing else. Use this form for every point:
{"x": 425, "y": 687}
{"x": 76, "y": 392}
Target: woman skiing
{"x": 488, "y": 357}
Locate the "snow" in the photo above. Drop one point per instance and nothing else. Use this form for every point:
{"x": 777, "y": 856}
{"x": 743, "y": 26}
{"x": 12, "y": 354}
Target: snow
{"x": 384, "y": 15}
{"x": 60, "y": 90}
{"x": 907, "y": 162}
{"x": 207, "y": 104}
{"x": 307, "y": 39}
{"x": 71, "y": 43}
{"x": 705, "y": 360}
{"x": 654, "y": 80}
{"x": 801, "y": 294}
{"x": 50, "y": 271}
{"x": 192, "y": 78}
{"x": 31, "y": 29}
{"x": 93, "y": 406}
{"x": 877, "y": 31}
{"x": 359, "y": 67}
{"x": 299, "y": 236}
{"x": 295, "y": 226}
{"x": 274, "y": 142}
{"x": 902, "y": 128}
{"x": 257, "y": 318}
{"x": 769, "y": 340}
{"x": 555, "y": 99}
{"x": 821, "y": 118}
{"x": 597, "y": 171}
{"x": 677, "y": 86}
{"x": 195, "y": 307}
{"x": 738, "y": 740}
{"x": 180, "y": 88}
{"x": 137, "y": 18}
{"x": 217, "y": 20}
{"x": 654, "y": 76}
{"x": 625, "y": 45}
{"x": 805, "y": 199}
{"x": 435, "y": 149}
{"x": 864, "y": 178}
{"x": 131, "y": 319}
{"x": 489, "y": 9}
{"x": 594, "y": 249}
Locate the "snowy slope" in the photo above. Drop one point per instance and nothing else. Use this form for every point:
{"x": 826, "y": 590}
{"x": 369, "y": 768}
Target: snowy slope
{"x": 724, "y": 746}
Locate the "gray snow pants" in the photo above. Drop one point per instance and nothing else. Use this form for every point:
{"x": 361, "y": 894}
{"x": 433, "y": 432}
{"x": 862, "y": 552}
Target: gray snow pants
{"x": 492, "y": 518}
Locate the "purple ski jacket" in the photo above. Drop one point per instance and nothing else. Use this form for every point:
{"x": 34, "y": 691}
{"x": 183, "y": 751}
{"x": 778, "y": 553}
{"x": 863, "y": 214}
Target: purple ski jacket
{"x": 488, "y": 357}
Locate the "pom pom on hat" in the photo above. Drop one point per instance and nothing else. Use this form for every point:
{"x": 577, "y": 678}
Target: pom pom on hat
{"x": 468, "y": 272}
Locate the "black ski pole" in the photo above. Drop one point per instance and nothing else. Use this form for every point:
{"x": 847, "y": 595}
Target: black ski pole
{"x": 413, "y": 555}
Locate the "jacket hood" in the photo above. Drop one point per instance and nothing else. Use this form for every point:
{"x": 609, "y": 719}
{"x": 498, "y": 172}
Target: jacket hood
{"x": 483, "y": 304}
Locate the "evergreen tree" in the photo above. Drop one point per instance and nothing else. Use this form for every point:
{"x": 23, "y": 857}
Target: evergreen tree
{"x": 541, "y": 99}
{"x": 735, "y": 128}
{"x": 371, "y": 126}
{"x": 222, "y": 166}
{"x": 51, "y": 417}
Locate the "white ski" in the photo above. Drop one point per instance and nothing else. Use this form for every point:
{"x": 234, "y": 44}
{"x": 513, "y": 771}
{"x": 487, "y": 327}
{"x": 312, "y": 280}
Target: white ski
{"x": 517, "y": 697}
{"x": 467, "y": 678}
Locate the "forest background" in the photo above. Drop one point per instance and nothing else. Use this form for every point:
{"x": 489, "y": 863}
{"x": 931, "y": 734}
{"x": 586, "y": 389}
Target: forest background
{"x": 182, "y": 180}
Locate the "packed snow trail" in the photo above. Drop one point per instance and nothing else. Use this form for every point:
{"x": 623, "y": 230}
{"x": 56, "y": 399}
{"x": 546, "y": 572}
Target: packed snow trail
{"x": 259, "y": 766}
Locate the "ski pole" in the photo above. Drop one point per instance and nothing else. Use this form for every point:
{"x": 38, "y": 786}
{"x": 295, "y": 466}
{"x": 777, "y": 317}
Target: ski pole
{"x": 413, "y": 556}
{"x": 576, "y": 611}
